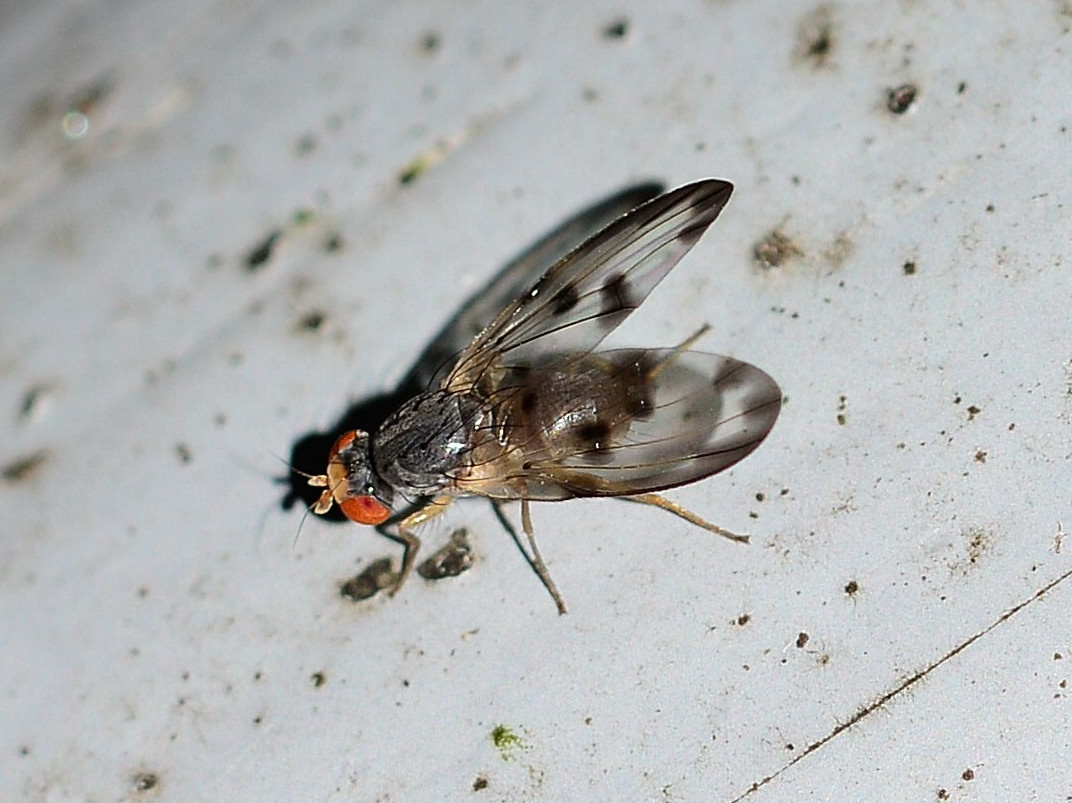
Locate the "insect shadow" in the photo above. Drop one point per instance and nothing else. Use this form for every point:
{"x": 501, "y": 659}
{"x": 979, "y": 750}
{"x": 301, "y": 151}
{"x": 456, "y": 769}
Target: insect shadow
{"x": 309, "y": 452}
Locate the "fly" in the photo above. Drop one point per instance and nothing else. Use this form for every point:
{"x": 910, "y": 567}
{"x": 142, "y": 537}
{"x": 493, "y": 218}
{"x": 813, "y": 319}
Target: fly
{"x": 532, "y": 411}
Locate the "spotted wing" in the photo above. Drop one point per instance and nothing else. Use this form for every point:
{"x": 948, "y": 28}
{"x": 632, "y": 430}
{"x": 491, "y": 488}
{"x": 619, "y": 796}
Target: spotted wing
{"x": 704, "y": 413}
{"x": 590, "y": 291}
{"x": 516, "y": 277}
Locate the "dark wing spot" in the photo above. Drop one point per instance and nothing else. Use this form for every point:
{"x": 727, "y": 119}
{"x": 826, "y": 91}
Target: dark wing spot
{"x": 594, "y": 435}
{"x": 528, "y": 401}
{"x": 639, "y": 401}
{"x": 615, "y": 294}
{"x": 637, "y": 389}
{"x": 565, "y": 299}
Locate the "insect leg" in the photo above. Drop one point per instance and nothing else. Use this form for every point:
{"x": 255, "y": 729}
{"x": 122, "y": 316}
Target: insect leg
{"x": 412, "y": 543}
{"x": 537, "y": 559}
{"x": 680, "y": 349}
{"x": 660, "y": 501}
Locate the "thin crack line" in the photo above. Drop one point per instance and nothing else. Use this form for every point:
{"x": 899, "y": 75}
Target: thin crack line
{"x": 870, "y": 708}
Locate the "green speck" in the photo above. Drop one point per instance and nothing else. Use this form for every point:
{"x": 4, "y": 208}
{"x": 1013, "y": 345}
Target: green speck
{"x": 425, "y": 161}
{"x": 506, "y": 741}
{"x": 414, "y": 169}
{"x": 304, "y": 216}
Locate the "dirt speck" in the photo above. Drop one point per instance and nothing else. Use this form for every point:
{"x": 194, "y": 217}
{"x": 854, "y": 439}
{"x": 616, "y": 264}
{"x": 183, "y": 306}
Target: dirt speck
{"x": 420, "y": 165}
{"x": 259, "y": 255}
{"x": 901, "y": 98}
{"x": 775, "y": 249}
{"x": 431, "y": 43}
{"x": 816, "y": 37}
{"x": 35, "y": 402}
{"x": 23, "y": 469}
{"x": 980, "y": 541}
{"x": 310, "y": 321}
{"x": 303, "y": 216}
{"x": 842, "y": 410}
{"x": 145, "y": 781}
{"x": 453, "y": 558}
{"x": 378, "y": 575}
{"x": 616, "y": 29}
{"x": 839, "y": 251}
{"x": 333, "y": 242}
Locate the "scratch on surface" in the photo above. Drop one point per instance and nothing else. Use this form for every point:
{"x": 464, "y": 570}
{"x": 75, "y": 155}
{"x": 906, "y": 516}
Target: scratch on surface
{"x": 871, "y": 707}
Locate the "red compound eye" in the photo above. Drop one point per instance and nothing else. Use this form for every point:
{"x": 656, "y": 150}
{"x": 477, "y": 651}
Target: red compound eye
{"x": 344, "y": 440}
{"x": 365, "y": 509}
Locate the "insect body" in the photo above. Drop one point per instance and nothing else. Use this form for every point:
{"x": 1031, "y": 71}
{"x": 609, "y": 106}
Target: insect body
{"x": 532, "y": 412}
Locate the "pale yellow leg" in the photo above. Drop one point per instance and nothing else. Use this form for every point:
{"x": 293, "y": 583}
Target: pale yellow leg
{"x": 411, "y": 542}
{"x": 659, "y": 501}
{"x": 679, "y": 350}
{"x": 537, "y": 559}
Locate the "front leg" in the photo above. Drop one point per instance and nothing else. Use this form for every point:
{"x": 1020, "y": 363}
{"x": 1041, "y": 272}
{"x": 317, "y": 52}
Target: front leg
{"x": 412, "y": 543}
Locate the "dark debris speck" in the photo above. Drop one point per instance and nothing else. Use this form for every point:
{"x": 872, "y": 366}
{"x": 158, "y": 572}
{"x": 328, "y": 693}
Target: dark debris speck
{"x": 453, "y": 559}
{"x": 431, "y": 42}
{"x": 617, "y": 29}
{"x": 900, "y": 98}
{"x": 377, "y": 576}
{"x": 23, "y": 468}
{"x": 260, "y": 254}
{"x": 145, "y": 781}
{"x": 311, "y": 321}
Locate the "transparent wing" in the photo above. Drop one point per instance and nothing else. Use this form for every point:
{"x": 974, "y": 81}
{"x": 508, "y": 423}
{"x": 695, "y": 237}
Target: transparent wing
{"x": 708, "y": 412}
{"x": 591, "y": 290}
{"x": 517, "y": 276}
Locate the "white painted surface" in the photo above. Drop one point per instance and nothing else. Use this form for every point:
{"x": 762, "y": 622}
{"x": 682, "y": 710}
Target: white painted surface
{"x": 155, "y": 616}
